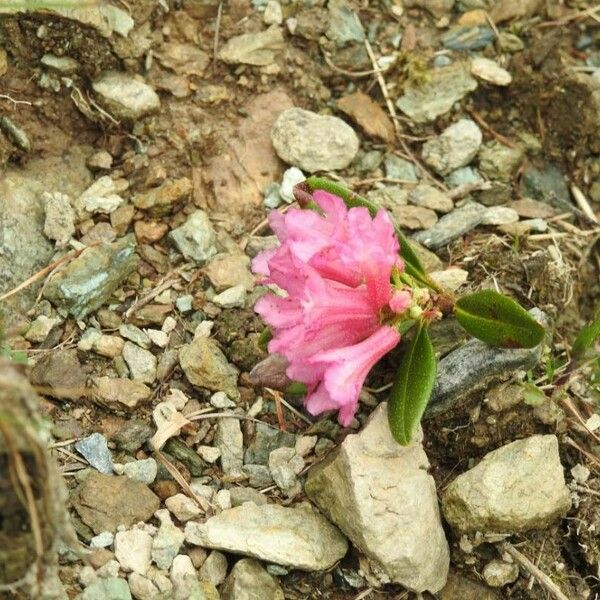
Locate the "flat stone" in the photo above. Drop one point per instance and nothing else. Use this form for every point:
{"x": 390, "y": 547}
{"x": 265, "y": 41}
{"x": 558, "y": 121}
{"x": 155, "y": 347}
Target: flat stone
{"x": 142, "y": 588}
{"x": 229, "y": 270}
{"x": 475, "y": 365}
{"x": 532, "y": 209}
{"x": 102, "y": 540}
{"x": 438, "y": 8}
{"x": 239, "y": 495}
{"x": 133, "y": 550}
{"x": 344, "y": 28}
{"x": 370, "y": 486}
{"x": 167, "y": 541}
{"x": 230, "y": 441}
{"x": 101, "y": 160}
{"x": 399, "y": 168}
{"x": 500, "y": 215}
{"x": 40, "y": 328}
{"x": 94, "y": 449}
{"x": 450, "y": 279}
{"x": 366, "y": 113}
{"x": 430, "y": 197}
{"x": 265, "y": 441}
{"x": 183, "y": 507}
{"x": 124, "y": 96}
{"x": 60, "y": 374}
{"x": 518, "y": 487}
{"x": 273, "y": 14}
{"x": 195, "y": 239}
{"x": 161, "y": 200}
{"x": 297, "y": 537}
{"x": 132, "y": 435}
{"x": 134, "y": 334}
{"x": 143, "y": 471}
{"x": 498, "y": 573}
{"x": 186, "y": 585}
{"x": 87, "y": 282}
{"x": 234, "y": 297}
{"x": 249, "y": 581}
{"x": 109, "y": 588}
{"x": 460, "y": 587}
{"x": 285, "y": 465}
{"x": 59, "y": 224}
{"x": 100, "y": 198}
{"x": 456, "y": 147}
{"x": 445, "y": 86}
{"x": 499, "y": 162}
{"x": 205, "y": 366}
{"x": 258, "y": 49}
{"x": 142, "y": 363}
{"x": 183, "y": 59}
{"x": 415, "y": 217}
{"x": 119, "y": 394}
{"x": 547, "y": 184}
{"x": 313, "y": 142}
{"x": 104, "y": 502}
{"x": 451, "y": 226}
{"x": 214, "y": 568}
{"x": 490, "y": 71}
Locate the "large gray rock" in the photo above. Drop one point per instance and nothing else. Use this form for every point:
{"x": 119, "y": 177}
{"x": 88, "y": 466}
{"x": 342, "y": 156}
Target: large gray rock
{"x": 515, "y": 488}
{"x": 451, "y": 226}
{"x": 298, "y": 537}
{"x": 372, "y": 486}
{"x": 207, "y": 367}
{"x": 475, "y": 366}
{"x": 456, "y": 147}
{"x": 313, "y": 142}
{"x": 124, "y": 96}
{"x": 24, "y": 249}
{"x": 249, "y": 581}
{"x": 87, "y": 282}
{"x": 445, "y": 87}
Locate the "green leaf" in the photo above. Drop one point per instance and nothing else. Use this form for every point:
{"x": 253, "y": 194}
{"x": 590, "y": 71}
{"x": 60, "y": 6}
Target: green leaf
{"x": 532, "y": 395}
{"x": 264, "y": 338}
{"x": 587, "y": 336}
{"x": 351, "y": 199}
{"x": 498, "y": 320}
{"x": 296, "y": 389}
{"x": 412, "y": 387}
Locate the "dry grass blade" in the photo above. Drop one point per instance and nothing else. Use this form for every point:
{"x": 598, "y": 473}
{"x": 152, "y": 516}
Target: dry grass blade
{"x": 539, "y": 575}
{"x": 178, "y": 477}
{"x": 46, "y": 270}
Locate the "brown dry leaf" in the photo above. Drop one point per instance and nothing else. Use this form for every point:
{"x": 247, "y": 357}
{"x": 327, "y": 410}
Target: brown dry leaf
{"x": 368, "y": 114}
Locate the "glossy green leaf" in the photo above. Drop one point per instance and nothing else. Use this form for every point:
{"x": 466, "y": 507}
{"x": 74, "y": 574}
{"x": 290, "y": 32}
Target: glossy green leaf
{"x": 264, "y": 338}
{"x": 351, "y": 199}
{"x": 587, "y": 336}
{"x": 498, "y": 320}
{"x": 412, "y": 387}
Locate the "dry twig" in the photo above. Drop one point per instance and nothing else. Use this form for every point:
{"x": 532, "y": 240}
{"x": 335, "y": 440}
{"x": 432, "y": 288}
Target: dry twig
{"x": 539, "y": 575}
{"x": 45, "y": 271}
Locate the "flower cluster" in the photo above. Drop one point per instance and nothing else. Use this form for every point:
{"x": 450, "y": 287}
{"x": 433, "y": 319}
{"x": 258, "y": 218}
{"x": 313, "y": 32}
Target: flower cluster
{"x": 336, "y": 318}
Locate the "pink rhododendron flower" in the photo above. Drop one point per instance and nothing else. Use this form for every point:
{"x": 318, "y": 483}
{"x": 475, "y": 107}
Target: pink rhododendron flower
{"x": 335, "y": 269}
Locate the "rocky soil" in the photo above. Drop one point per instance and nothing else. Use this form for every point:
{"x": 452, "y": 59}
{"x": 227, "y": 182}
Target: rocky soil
{"x": 142, "y": 144}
